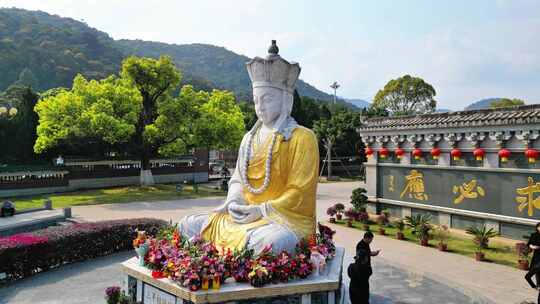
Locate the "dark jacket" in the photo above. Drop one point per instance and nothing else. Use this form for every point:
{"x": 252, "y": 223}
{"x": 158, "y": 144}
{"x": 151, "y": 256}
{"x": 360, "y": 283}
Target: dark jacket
{"x": 535, "y": 240}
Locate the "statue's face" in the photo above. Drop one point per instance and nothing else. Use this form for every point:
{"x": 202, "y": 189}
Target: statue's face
{"x": 268, "y": 104}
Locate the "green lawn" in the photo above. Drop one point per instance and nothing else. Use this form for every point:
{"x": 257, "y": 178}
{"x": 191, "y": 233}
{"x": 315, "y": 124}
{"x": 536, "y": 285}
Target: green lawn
{"x": 116, "y": 195}
{"x": 497, "y": 252}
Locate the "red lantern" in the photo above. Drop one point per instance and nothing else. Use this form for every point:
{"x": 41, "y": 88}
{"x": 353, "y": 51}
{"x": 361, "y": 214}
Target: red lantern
{"x": 399, "y": 153}
{"x": 369, "y": 152}
{"x": 383, "y": 152}
{"x": 435, "y": 152}
{"x": 456, "y": 154}
{"x": 417, "y": 153}
{"x": 504, "y": 154}
{"x": 532, "y": 155}
{"x": 479, "y": 153}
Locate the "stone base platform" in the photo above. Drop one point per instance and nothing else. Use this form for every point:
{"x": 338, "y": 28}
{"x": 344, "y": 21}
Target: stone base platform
{"x": 324, "y": 289}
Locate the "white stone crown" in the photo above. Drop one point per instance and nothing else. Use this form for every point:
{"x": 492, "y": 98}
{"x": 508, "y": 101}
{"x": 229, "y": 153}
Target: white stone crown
{"x": 273, "y": 71}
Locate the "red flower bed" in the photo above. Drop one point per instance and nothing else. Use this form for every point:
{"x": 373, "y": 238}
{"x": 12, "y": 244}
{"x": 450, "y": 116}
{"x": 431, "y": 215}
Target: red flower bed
{"x": 25, "y": 254}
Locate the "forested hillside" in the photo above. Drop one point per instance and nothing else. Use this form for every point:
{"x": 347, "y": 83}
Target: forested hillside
{"x": 47, "y": 51}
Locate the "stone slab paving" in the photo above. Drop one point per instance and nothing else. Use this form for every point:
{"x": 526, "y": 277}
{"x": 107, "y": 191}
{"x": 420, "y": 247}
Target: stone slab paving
{"x": 404, "y": 273}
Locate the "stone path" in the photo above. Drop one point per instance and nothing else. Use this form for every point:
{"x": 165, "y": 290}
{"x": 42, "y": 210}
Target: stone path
{"x": 404, "y": 273}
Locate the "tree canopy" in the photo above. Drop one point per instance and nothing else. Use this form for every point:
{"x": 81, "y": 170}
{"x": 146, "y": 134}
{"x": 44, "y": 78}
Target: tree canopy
{"x": 406, "y": 95}
{"x": 506, "y": 102}
{"x": 138, "y": 114}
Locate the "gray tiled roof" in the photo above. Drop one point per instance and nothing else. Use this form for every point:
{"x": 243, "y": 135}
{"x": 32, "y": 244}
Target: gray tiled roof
{"x": 486, "y": 117}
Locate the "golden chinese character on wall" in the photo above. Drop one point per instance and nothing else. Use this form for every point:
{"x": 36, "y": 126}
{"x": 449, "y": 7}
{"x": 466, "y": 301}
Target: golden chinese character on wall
{"x": 528, "y": 199}
{"x": 414, "y": 186}
{"x": 469, "y": 190}
{"x": 391, "y": 184}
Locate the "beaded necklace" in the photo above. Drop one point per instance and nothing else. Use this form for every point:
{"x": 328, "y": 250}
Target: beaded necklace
{"x": 268, "y": 165}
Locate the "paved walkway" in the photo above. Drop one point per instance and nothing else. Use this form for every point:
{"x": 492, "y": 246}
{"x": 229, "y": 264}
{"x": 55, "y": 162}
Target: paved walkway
{"x": 404, "y": 273}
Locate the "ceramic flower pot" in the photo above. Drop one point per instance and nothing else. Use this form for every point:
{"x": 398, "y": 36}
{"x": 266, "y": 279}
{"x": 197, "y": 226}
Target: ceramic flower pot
{"x": 424, "y": 242}
{"x": 400, "y": 235}
{"x": 382, "y": 231}
{"x": 141, "y": 252}
{"x": 523, "y": 265}
{"x": 339, "y": 217}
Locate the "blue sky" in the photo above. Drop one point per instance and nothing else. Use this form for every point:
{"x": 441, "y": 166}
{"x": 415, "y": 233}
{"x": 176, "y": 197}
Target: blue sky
{"x": 468, "y": 50}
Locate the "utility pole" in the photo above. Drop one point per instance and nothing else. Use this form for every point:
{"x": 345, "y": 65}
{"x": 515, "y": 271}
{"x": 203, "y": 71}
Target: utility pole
{"x": 335, "y": 86}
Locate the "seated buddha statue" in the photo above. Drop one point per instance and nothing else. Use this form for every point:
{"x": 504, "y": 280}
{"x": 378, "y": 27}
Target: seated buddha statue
{"x": 272, "y": 192}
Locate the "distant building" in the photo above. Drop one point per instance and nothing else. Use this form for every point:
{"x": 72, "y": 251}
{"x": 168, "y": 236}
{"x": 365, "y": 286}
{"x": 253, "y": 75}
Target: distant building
{"x": 462, "y": 168}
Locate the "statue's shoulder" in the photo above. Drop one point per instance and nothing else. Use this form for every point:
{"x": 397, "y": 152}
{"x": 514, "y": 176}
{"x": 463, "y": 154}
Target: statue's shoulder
{"x": 302, "y": 134}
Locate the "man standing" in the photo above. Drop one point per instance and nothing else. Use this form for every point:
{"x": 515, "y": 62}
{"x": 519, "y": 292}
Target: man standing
{"x": 360, "y": 270}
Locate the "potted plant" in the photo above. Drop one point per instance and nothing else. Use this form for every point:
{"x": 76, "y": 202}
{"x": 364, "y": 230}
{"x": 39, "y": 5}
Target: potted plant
{"x": 339, "y": 210}
{"x": 351, "y": 215}
{"x": 359, "y": 199}
{"x": 331, "y": 211}
{"x": 423, "y": 234}
{"x": 481, "y": 237}
{"x": 442, "y": 234}
{"x": 112, "y": 294}
{"x": 400, "y": 226}
{"x": 363, "y": 217}
{"x": 523, "y": 255}
{"x": 420, "y": 227}
{"x": 382, "y": 220}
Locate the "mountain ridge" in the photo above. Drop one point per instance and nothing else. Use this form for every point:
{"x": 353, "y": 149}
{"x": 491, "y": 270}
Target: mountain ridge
{"x": 50, "y": 50}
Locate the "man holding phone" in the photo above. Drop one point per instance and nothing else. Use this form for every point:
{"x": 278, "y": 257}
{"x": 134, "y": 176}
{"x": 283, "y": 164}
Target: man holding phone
{"x": 361, "y": 270}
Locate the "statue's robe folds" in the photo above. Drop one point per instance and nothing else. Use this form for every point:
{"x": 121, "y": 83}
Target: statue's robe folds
{"x": 288, "y": 202}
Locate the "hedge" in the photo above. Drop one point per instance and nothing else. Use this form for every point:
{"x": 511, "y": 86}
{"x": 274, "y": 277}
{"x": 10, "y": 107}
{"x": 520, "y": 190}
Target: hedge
{"x": 25, "y": 254}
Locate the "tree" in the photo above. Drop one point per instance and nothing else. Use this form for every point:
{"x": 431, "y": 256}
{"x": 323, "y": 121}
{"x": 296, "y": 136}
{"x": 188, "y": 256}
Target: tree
{"x": 200, "y": 119}
{"x": 506, "y": 102}
{"x": 136, "y": 113}
{"x": 248, "y": 110}
{"x": 155, "y": 80}
{"x": 406, "y": 95}
{"x": 19, "y": 132}
{"x": 331, "y": 130}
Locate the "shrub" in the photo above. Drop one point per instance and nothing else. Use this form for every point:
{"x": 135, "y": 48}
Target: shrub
{"x": 420, "y": 225}
{"x": 351, "y": 214}
{"x": 359, "y": 199}
{"x": 23, "y": 255}
{"x": 363, "y": 217}
{"x": 442, "y": 234}
{"x": 481, "y": 236}
{"x": 112, "y": 294}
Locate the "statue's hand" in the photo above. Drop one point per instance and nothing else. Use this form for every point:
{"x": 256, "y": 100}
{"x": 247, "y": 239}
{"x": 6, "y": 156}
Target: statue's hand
{"x": 245, "y": 214}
